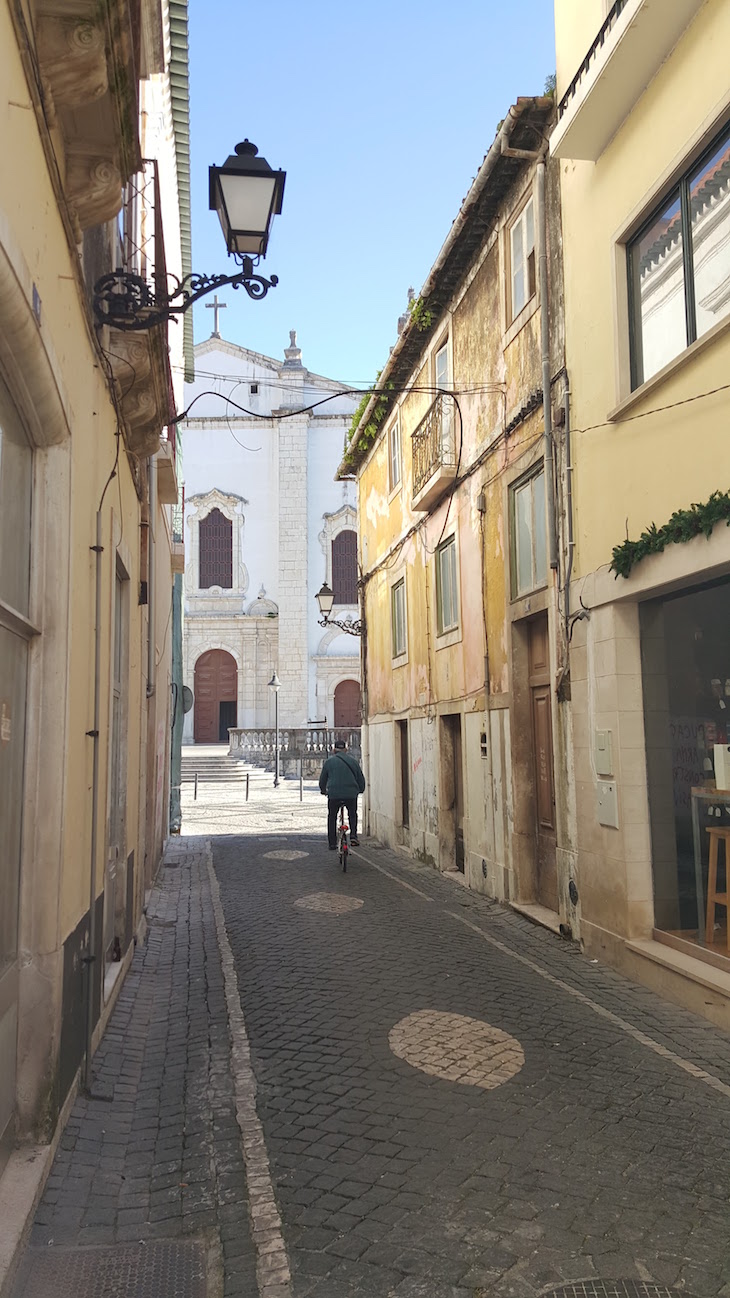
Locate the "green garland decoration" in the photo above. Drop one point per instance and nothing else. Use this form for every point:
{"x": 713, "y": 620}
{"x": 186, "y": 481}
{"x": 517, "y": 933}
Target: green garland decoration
{"x": 682, "y": 526}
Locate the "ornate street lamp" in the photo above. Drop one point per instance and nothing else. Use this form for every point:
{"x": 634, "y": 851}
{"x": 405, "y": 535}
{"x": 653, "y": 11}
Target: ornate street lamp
{"x": 247, "y": 194}
{"x": 275, "y": 685}
{"x": 325, "y": 598}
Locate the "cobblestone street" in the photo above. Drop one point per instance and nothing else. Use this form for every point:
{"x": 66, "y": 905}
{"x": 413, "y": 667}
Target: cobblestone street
{"x": 379, "y": 1084}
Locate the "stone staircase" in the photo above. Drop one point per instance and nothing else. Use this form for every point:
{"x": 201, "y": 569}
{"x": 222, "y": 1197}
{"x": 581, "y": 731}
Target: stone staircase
{"x": 211, "y": 764}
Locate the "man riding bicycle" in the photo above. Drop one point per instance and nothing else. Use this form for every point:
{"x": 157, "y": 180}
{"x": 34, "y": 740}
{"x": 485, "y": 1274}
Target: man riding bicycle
{"x": 341, "y": 780}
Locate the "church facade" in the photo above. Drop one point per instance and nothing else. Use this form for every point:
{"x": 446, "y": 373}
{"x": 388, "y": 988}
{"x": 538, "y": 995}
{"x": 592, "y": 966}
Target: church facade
{"x": 265, "y": 525}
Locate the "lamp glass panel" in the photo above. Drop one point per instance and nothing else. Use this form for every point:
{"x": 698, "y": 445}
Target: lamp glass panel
{"x": 326, "y": 600}
{"x": 248, "y": 201}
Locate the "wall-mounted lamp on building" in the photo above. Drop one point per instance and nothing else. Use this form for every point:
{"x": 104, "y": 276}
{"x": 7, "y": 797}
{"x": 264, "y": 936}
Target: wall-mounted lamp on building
{"x": 326, "y": 598}
{"x": 247, "y": 194}
{"x": 275, "y": 685}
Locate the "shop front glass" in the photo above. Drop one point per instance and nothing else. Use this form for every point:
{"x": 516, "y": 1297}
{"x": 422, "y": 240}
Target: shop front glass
{"x": 685, "y": 649}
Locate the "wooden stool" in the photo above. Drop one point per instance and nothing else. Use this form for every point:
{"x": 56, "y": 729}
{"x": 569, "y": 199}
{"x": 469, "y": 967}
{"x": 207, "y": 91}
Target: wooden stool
{"x": 717, "y": 835}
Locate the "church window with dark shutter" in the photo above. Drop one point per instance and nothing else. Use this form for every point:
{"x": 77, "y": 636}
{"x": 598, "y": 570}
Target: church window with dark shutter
{"x": 216, "y": 551}
{"x": 344, "y": 568}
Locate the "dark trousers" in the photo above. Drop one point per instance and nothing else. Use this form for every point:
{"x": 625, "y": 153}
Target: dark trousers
{"x": 333, "y": 807}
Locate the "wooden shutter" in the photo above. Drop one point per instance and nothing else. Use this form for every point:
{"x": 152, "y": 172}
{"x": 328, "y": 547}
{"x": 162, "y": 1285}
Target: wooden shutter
{"x": 344, "y": 568}
{"x": 216, "y": 551}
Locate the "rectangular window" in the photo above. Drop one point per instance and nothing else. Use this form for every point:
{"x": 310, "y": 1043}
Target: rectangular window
{"x": 215, "y": 535}
{"x": 442, "y": 380}
{"x": 529, "y": 541}
{"x": 394, "y": 454}
{"x": 522, "y": 259}
{"x": 679, "y": 265}
{"x": 447, "y": 589}
{"x": 344, "y": 567}
{"x": 398, "y": 617}
{"x": 442, "y": 373}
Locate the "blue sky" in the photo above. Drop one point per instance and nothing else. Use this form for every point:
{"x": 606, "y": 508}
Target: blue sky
{"x": 380, "y": 114}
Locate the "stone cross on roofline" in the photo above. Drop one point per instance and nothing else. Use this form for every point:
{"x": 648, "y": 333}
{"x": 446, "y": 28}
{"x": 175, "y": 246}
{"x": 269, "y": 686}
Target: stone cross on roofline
{"x": 216, "y": 306}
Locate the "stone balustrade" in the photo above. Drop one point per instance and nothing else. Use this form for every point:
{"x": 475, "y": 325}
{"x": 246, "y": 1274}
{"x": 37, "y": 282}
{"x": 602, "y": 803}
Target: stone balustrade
{"x": 307, "y": 742}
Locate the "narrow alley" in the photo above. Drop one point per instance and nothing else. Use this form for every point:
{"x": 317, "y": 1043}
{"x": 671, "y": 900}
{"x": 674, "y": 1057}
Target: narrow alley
{"x": 377, "y": 1084}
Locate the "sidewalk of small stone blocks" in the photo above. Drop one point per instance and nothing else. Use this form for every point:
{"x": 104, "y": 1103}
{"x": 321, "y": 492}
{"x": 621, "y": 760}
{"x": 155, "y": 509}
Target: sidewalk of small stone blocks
{"x": 154, "y": 1154}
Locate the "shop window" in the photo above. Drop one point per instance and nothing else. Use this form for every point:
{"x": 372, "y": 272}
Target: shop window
{"x": 685, "y": 655}
{"x": 528, "y": 534}
{"x": 398, "y": 618}
{"x": 216, "y": 551}
{"x": 679, "y": 265}
{"x": 447, "y": 587}
{"x": 344, "y": 567}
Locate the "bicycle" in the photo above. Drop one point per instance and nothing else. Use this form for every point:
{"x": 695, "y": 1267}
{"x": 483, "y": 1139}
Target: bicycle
{"x": 343, "y": 842}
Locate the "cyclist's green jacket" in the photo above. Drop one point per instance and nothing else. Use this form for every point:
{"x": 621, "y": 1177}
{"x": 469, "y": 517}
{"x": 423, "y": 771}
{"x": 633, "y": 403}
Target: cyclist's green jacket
{"x": 342, "y": 777}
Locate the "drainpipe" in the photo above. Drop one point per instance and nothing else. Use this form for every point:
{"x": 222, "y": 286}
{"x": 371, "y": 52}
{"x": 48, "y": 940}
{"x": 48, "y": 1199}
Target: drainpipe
{"x": 91, "y": 959}
{"x": 569, "y": 506}
{"x": 151, "y": 663}
{"x": 545, "y": 338}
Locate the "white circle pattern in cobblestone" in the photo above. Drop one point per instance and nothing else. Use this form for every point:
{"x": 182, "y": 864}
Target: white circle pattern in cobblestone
{"x": 457, "y": 1048}
{"x": 329, "y": 903}
{"x": 285, "y": 856}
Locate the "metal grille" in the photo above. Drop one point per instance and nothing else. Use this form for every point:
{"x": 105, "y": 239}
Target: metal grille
{"x": 344, "y": 568}
{"x": 216, "y": 551}
{"x": 160, "y": 1269}
{"x": 433, "y": 442}
{"x": 612, "y": 1289}
{"x": 613, "y": 14}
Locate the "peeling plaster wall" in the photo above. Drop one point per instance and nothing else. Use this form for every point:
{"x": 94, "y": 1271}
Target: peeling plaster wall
{"x": 496, "y": 368}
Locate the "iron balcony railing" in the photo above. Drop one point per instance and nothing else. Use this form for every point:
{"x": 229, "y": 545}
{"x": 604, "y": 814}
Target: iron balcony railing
{"x": 432, "y": 442}
{"x": 178, "y": 516}
{"x": 610, "y": 22}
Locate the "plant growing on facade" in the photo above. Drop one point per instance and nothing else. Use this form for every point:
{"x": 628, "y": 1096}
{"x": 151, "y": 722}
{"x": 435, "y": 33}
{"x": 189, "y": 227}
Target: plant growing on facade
{"x": 420, "y": 314}
{"x": 684, "y": 525}
{"x": 370, "y": 431}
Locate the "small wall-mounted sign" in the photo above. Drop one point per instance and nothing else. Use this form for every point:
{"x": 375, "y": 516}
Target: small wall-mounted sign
{"x": 6, "y": 723}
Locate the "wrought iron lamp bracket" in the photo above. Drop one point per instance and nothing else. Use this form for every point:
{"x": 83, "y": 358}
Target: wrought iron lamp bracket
{"x": 127, "y": 302}
{"x": 352, "y": 627}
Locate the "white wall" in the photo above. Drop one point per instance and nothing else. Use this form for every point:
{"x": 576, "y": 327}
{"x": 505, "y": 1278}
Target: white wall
{"x": 239, "y": 455}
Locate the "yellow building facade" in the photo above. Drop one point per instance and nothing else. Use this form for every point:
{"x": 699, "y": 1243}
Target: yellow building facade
{"x": 465, "y": 738}
{"x": 89, "y": 183}
{"x": 642, "y": 141}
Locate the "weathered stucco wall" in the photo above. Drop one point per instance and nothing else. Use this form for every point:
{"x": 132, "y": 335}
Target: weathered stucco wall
{"x": 464, "y": 678}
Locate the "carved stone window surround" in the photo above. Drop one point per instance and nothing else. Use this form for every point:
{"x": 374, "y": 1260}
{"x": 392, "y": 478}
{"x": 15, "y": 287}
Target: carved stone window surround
{"x": 343, "y": 519}
{"x": 198, "y": 507}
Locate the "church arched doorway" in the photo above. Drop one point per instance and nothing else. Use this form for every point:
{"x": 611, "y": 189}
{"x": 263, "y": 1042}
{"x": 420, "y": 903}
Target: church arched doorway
{"x": 347, "y": 704}
{"x": 216, "y": 694}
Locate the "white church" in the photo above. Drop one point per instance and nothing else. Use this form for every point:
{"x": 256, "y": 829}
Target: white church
{"x": 265, "y": 526}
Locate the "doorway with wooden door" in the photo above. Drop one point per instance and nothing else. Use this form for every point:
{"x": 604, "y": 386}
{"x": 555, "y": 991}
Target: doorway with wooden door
{"x": 347, "y": 705}
{"x": 451, "y": 828}
{"x": 542, "y": 753}
{"x": 216, "y": 697}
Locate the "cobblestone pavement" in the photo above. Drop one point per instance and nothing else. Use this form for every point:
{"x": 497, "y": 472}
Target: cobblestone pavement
{"x": 455, "y": 1102}
{"x": 159, "y": 1157}
{"x": 414, "y": 1092}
